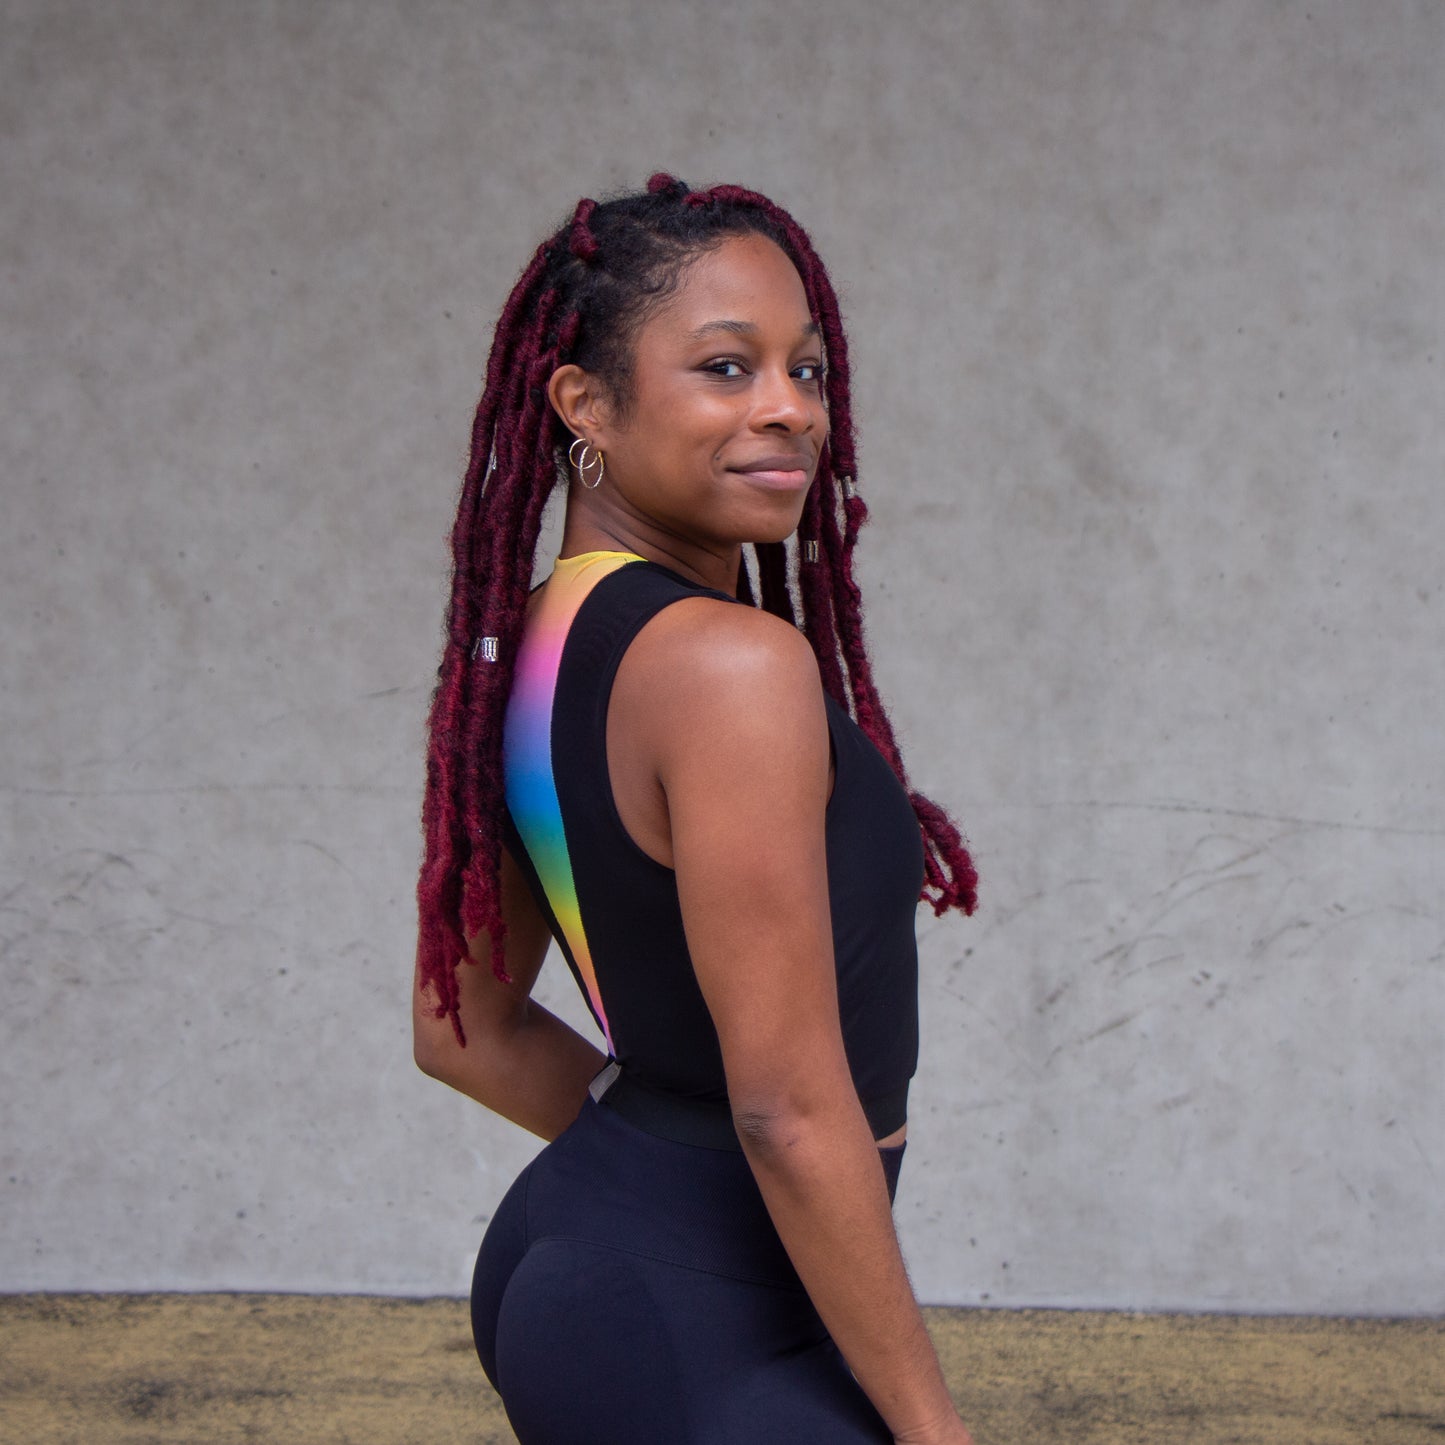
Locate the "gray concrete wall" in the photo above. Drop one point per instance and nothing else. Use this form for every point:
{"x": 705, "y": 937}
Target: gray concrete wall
{"x": 1147, "y": 305}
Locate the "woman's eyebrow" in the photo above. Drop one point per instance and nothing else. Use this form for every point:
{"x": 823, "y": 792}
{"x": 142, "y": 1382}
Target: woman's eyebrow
{"x": 745, "y": 328}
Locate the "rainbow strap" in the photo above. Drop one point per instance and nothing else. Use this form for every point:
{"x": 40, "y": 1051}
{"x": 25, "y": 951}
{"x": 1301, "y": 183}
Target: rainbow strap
{"x": 527, "y": 749}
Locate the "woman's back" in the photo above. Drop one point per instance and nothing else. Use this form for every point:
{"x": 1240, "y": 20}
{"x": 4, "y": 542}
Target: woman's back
{"x": 614, "y": 909}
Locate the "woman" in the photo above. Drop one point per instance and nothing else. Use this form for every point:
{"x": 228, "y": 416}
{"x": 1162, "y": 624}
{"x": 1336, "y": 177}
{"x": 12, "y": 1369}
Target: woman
{"x": 704, "y": 805}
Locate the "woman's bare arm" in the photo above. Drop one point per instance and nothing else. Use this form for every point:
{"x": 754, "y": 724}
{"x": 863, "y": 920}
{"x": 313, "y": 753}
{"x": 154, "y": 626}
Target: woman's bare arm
{"x": 520, "y": 1061}
{"x": 729, "y": 704}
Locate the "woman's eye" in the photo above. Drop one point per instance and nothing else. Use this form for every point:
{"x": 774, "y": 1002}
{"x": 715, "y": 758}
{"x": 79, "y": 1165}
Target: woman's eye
{"x": 724, "y": 368}
{"x": 808, "y": 371}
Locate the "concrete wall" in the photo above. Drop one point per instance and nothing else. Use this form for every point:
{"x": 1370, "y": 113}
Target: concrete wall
{"x": 1147, "y": 305}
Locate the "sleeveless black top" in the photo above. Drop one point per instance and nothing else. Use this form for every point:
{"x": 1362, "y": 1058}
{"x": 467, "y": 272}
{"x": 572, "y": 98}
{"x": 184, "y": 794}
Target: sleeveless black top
{"x": 614, "y": 910}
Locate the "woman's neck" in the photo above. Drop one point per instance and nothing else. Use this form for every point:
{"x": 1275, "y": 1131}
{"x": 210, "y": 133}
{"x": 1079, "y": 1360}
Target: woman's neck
{"x": 717, "y": 569}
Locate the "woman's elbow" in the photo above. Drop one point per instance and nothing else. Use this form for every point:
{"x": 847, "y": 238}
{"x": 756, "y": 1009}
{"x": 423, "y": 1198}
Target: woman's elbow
{"x": 756, "y": 1126}
{"x": 441, "y": 1055}
{"x": 425, "y": 1058}
{"x": 434, "y": 1046}
{"x": 773, "y": 1127}
{"x": 779, "y": 1119}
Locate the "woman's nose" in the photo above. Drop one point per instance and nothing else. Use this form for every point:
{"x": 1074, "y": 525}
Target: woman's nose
{"x": 781, "y": 401}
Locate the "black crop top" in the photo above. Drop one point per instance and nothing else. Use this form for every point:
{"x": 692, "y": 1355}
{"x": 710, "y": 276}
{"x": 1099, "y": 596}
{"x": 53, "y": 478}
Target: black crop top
{"x": 614, "y": 910}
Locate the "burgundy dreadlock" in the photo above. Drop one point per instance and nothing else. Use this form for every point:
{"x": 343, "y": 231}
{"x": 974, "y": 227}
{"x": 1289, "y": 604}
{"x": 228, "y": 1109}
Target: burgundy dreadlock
{"x": 582, "y": 299}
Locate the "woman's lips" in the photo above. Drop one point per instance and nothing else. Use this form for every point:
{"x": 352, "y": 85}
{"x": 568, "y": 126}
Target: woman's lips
{"x": 784, "y": 474}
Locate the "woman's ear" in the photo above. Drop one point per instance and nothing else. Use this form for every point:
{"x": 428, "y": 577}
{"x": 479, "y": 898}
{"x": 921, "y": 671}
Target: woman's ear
{"x": 578, "y": 399}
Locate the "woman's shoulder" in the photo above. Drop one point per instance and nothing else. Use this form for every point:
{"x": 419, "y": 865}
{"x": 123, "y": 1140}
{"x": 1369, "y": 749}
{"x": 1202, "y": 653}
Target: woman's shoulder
{"x": 713, "y": 680}
{"x": 706, "y": 642}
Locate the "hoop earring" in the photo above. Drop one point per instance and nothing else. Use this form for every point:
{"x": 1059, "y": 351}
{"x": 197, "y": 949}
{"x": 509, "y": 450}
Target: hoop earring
{"x": 582, "y": 461}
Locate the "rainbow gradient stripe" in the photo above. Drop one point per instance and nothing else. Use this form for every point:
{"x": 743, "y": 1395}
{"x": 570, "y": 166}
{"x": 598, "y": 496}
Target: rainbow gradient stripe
{"x": 527, "y": 748}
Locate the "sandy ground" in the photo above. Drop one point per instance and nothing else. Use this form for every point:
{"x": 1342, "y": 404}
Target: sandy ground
{"x": 114, "y": 1369}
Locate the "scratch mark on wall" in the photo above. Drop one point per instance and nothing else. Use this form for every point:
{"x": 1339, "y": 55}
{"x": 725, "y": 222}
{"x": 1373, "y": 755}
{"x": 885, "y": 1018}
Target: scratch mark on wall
{"x": 1420, "y": 1148}
{"x": 189, "y": 789}
{"x": 1210, "y": 810}
{"x": 1005, "y": 1037}
{"x": 1349, "y": 1188}
{"x": 128, "y": 748}
{"x": 1109, "y": 1027}
{"x": 1098, "y": 1033}
{"x": 1121, "y": 953}
{"x": 325, "y": 853}
{"x": 1181, "y": 899}
{"x": 1360, "y": 915}
{"x": 1153, "y": 963}
{"x": 80, "y": 884}
{"x": 1055, "y": 994}
{"x": 1262, "y": 944}
{"x": 1236, "y": 861}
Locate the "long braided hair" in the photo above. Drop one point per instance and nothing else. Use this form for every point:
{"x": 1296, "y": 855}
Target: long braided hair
{"x": 582, "y": 299}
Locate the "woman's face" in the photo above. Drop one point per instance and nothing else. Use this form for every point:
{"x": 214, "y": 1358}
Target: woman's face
{"x": 721, "y": 440}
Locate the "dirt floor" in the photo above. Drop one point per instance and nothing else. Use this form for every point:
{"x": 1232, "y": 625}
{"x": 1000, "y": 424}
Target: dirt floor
{"x": 114, "y": 1369}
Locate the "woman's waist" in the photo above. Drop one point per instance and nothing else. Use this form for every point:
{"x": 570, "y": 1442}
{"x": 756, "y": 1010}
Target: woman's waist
{"x": 707, "y": 1122}
{"x": 607, "y": 1182}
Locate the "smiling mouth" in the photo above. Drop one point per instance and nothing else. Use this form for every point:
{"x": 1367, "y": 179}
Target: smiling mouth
{"x": 787, "y": 474}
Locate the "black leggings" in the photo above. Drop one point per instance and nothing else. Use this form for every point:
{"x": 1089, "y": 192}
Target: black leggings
{"x": 633, "y": 1291}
